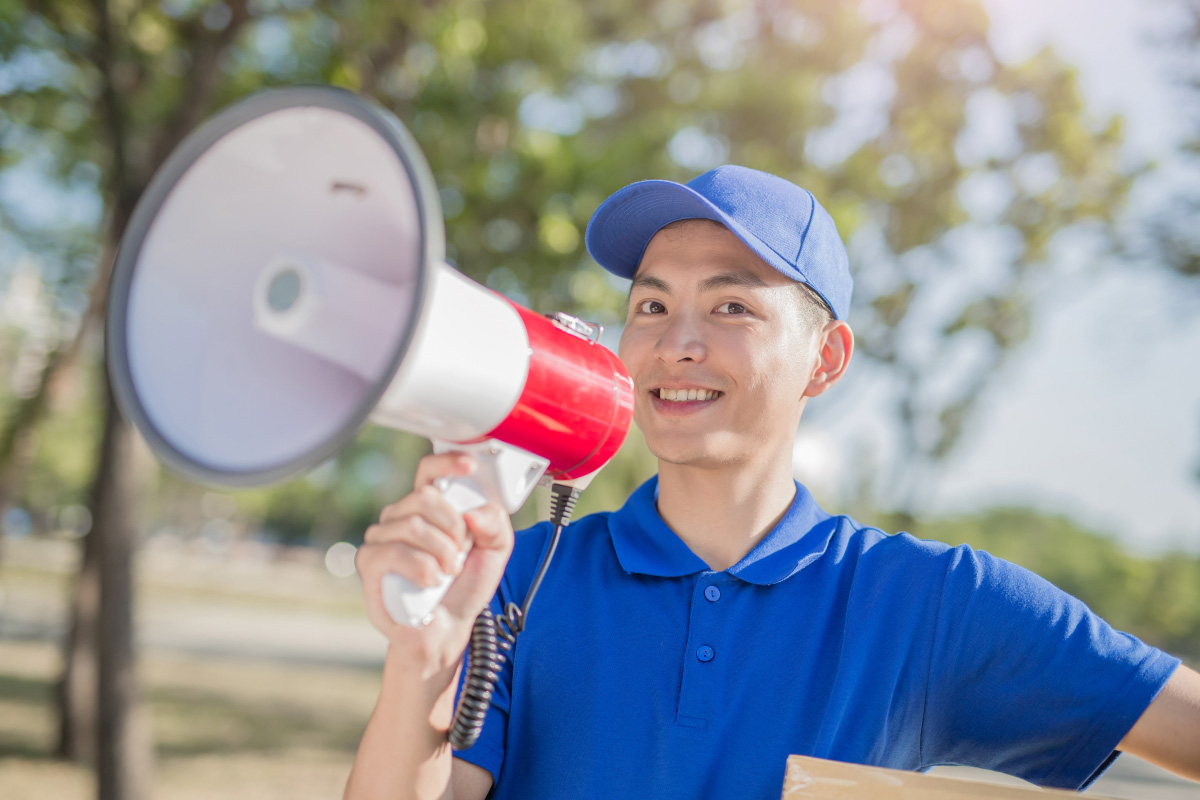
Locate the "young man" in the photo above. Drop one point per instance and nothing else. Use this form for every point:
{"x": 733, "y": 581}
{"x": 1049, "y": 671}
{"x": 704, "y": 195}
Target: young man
{"x": 684, "y": 645}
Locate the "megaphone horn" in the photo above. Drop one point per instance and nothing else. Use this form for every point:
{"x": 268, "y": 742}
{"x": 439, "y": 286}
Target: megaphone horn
{"x": 282, "y": 280}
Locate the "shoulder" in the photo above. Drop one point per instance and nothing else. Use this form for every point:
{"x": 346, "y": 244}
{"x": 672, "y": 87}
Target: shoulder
{"x": 985, "y": 584}
{"x": 906, "y": 547}
{"x": 871, "y": 545}
{"x": 959, "y": 570}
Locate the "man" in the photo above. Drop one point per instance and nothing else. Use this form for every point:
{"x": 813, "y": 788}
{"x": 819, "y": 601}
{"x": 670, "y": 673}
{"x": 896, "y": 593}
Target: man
{"x": 686, "y": 644}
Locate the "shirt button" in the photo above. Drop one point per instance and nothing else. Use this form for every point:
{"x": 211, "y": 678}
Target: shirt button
{"x": 704, "y": 653}
{"x": 712, "y": 593}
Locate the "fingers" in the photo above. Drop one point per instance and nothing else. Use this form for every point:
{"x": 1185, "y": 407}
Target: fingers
{"x": 428, "y": 501}
{"x": 430, "y": 505}
{"x": 373, "y": 561}
{"x": 416, "y": 550}
{"x": 443, "y": 465}
{"x": 421, "y": 536}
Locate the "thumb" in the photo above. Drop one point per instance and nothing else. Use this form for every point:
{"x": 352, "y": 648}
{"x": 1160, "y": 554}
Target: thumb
{"x": 475, "y": 586}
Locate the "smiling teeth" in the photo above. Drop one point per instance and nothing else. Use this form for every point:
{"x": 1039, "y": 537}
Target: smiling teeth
{"x": 683, "y": 395}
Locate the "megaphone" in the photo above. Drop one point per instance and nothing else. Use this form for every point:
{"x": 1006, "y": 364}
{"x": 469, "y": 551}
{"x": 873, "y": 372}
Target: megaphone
{"x": 282, "y": 280}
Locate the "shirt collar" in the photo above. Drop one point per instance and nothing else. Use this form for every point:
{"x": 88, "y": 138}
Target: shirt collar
{"x": 645, "y": 544}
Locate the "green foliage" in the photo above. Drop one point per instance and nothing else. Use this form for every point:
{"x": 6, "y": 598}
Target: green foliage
{"x": 65, "y": 459}
{"x": 1157, "y": 599}
{"x": 1169, "y": 236}
{"x": 899, "y": 117}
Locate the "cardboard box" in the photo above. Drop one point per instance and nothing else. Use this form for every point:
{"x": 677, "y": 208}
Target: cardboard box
{"x": 833, "y": 780}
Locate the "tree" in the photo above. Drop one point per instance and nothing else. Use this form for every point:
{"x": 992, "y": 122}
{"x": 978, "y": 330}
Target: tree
{"x": 1169, "y": 236}
{"x": 898, "y": 115}
{"x": 951, "y": 151}
{"x": 91, "y": 69}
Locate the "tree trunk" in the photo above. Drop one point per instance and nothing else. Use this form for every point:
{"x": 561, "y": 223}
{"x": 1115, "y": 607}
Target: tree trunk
{"x": 78, "y": 685}
{"x": 124, "y": 753}
{"x": 110, "y": 721}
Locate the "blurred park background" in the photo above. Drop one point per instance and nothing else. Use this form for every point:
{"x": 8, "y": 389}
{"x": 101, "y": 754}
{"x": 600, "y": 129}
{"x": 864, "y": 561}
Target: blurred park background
{"x": 1016, "y": 182}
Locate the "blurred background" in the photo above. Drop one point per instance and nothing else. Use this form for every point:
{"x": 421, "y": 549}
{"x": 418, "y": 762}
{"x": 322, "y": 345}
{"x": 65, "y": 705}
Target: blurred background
{"x": 1016, "y": 182}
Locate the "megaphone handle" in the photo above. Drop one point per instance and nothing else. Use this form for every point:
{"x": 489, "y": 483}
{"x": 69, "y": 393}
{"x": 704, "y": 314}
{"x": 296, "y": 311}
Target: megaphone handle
{"x": 410, "y": 604}
{"x": 505, "y": 475}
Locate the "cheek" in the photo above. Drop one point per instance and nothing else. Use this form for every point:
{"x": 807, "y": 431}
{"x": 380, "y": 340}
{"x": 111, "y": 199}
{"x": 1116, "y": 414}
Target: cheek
{"x": 626, "y": 348}
{"x": 776, "y": 371}
{"x": 633, "y": 349}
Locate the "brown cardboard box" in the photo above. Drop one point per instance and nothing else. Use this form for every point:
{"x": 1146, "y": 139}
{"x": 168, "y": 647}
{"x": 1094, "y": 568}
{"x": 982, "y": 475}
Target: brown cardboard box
{"x": 833, "y": 780}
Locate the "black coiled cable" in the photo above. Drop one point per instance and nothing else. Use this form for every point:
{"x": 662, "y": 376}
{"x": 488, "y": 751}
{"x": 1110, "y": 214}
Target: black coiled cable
{"x": 492, "y": 637}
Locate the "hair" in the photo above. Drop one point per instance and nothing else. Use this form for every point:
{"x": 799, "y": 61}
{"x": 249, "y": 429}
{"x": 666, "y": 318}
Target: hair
{"x": 815, "y": 312}
{"x": 813, "y": 309}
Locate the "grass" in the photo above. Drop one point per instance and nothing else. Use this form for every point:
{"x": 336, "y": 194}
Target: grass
{"x": 236, "y": 729}
{"x": 223, "y": 727}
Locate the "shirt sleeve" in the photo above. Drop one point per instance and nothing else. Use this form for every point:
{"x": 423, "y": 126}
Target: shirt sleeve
{"x": 1026, "y": 680}
{"x": 488, "y": 751}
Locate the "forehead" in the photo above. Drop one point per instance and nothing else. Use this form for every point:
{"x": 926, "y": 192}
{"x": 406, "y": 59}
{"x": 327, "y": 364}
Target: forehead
{"x": 696, "y": 250}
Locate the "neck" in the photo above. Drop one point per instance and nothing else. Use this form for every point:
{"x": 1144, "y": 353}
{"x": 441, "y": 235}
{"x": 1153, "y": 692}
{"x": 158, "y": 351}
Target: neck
{"x": 722, "y": 513}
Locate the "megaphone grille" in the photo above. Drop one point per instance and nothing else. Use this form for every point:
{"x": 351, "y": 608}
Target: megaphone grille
{"x": 318, "y": 181}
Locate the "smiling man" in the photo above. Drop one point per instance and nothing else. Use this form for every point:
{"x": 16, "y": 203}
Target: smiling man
{"x": 685, "y": 644}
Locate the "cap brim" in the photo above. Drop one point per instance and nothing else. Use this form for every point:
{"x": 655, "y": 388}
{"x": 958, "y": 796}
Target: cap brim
{"x": 624, "y": 224}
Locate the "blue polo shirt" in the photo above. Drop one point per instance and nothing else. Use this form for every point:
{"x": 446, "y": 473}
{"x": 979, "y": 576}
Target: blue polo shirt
{"x": 644, "y": 673}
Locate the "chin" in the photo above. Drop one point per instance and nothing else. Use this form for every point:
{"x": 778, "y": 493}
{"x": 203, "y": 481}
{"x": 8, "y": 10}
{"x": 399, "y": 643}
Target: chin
{"x": 677, "y": 452}
{"x": 690, "y": 451}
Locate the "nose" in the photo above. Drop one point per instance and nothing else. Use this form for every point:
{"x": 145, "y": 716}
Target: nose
{"x": 681, "y": 340}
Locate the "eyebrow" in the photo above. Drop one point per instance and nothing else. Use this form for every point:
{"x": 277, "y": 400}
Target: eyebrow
{"x": 746, "y": 280}
{"x": 648, "y": 282}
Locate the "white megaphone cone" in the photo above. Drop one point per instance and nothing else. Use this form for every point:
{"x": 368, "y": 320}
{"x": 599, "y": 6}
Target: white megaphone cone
{"x": 282, "y": 281}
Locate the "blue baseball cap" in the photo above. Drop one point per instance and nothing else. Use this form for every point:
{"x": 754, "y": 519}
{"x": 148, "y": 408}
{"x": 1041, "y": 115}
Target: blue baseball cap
{"x": 781, "y": 222}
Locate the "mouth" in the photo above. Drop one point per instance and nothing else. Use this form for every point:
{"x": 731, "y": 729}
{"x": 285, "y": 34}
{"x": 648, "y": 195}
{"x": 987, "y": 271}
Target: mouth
{"x": 686, "y": 395}
{"x": 672, "y": 403}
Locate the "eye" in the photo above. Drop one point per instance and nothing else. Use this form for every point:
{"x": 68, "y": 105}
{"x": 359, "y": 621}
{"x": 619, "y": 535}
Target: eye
{"x": 731, "y": 308}
{"x": 651, "y": 307}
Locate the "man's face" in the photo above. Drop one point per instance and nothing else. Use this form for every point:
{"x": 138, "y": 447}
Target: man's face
{"x": 708, "y": 317}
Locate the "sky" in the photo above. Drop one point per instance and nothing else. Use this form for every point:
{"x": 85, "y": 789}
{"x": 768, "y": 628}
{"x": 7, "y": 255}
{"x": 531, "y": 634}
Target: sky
{"x": 1098, "y": 415}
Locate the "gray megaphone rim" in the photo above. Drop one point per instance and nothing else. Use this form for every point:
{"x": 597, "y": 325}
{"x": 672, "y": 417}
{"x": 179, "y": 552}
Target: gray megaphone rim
{"x": 433, "y": 246}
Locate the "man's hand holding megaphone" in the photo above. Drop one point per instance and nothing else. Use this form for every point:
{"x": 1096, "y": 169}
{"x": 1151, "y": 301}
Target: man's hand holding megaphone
{"x": 423, "y": 538}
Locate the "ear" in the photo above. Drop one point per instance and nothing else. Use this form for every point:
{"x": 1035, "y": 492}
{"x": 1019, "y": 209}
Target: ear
{"x": 836, "y": 345}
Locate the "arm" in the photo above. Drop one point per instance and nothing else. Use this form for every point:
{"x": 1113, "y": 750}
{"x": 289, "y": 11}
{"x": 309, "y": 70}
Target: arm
{"x": 1028, "y": 680}
{"x": 404, "y": 752}
{"x": 405, "y": 746}
{"x": 470, "y": 781}
{"x": 1168, "y": 732}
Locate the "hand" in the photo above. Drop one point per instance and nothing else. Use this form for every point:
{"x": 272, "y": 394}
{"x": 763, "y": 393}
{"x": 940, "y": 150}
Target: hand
{"x": 420, "y": 537}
